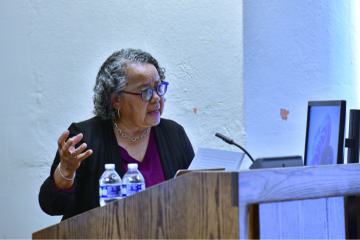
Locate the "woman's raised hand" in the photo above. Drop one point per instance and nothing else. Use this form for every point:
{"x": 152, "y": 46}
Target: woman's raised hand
{"x": 70, "y": 157}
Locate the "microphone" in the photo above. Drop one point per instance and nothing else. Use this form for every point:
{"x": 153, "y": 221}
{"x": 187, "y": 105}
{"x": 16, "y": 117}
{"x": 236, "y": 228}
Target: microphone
{"x": 231, "y": 142}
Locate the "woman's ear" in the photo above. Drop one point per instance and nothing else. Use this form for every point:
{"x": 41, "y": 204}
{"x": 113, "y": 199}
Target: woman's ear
{"x": 115, "y": 101}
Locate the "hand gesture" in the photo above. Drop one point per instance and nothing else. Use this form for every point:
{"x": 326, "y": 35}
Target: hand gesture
{"x": 70, "y": 157}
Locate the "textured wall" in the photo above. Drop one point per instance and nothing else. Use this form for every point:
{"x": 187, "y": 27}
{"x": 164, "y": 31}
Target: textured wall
{"x": 51, "y": 52}
{"x": 295, "y": 51}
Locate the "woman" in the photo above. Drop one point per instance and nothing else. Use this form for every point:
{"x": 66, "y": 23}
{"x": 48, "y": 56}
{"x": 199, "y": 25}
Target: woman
{"x": 129, "y": 100}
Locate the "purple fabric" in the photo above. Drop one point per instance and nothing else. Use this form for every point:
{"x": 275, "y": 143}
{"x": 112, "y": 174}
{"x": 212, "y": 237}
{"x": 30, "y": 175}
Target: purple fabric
{"x": 150, "y": 167}
{"x": 62, "y": 190}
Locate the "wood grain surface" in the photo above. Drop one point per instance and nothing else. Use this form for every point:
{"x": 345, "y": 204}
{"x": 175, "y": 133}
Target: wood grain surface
{"x": 304, "y": 202}
{"x": 196, "y": 205}
{"x": 288, "y": 184}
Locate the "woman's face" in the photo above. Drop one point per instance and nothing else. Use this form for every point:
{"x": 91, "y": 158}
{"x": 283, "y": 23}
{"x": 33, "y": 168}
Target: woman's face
{"x": 134, "y": 112}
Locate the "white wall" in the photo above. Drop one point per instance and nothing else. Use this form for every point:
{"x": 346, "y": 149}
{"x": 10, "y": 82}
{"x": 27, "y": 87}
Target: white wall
{"x": 50, "y": 53}
{"x": 296, "y": 51}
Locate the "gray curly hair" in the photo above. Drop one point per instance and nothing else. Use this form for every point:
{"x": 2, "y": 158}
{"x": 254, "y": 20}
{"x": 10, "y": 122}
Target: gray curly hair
{"x": 111, "y": 79}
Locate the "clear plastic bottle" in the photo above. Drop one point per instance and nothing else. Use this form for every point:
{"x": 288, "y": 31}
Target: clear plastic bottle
{"x": 133, "y": 181}
{"x": 109, "y": 185}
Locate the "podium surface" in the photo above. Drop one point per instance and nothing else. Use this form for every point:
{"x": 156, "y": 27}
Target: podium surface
{"x": 196, "y": 205}
{"x": 269, "y": 203}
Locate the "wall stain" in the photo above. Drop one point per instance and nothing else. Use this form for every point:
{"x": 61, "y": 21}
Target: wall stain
{"x": 195, "y": 110}
{"x": 284, "y": 113}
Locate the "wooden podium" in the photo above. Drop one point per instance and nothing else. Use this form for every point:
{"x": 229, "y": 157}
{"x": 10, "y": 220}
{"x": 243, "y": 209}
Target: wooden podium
{"x": 305, "y": 202}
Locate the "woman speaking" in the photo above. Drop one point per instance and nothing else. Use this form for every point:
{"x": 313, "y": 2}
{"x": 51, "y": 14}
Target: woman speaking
{"x": 127, "y": 128}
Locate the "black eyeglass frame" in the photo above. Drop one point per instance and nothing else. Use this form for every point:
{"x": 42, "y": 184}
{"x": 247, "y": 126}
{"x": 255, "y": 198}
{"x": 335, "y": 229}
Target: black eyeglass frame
{"x": 157, "y": 90}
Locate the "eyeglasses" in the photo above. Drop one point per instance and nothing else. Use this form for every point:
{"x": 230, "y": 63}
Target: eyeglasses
{"x": 147, "y": 93}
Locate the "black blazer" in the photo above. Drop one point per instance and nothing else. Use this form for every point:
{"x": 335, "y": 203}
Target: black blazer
{"x": 175, "y": 152}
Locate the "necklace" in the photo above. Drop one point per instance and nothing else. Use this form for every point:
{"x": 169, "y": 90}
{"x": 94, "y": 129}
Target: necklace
{"x": 131, "y": 138}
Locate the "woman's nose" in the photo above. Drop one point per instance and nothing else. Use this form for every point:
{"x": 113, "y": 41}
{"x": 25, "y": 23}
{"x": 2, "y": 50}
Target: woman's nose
{"x": 155, "y": 96}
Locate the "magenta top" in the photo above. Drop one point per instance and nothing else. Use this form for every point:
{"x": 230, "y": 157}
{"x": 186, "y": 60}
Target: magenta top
{"x": 150, "y": 167}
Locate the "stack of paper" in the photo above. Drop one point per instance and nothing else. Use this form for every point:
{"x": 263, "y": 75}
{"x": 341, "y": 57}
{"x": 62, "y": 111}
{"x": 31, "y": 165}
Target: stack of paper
{"x": 214, "y": 160}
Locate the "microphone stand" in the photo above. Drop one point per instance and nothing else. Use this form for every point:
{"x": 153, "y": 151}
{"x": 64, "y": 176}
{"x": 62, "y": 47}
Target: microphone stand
{"x": 231, "y": 142}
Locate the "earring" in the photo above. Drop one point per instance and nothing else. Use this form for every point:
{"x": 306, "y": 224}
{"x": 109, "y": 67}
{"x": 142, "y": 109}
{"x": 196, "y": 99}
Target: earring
{"x": 118, "y": 113}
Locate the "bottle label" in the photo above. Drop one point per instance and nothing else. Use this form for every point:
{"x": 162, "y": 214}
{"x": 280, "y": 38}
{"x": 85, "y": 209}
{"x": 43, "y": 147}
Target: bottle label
{"x": 110, "y": 191}
{"x": 131, "y": 188}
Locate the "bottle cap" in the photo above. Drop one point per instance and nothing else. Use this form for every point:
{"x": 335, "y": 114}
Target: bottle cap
{"x": 133, "y": 165}
{"x": 110, "y": 166}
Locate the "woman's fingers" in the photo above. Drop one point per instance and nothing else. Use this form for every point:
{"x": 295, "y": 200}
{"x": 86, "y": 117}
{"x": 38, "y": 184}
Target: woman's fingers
{"x": 71, "y": 142}
{"x": 79, "y": 150}
{"x": 72, "y": 149}
{"x": 77, "y": 138}
{"x": 68, "y": 144}
{"x": 84, "y": 155}
{"x": 62, "y": 138}
{"x": 70, "y": 155}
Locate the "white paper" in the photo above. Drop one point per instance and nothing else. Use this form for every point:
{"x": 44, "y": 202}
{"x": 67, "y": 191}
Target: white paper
{"x": 206, "y": 158}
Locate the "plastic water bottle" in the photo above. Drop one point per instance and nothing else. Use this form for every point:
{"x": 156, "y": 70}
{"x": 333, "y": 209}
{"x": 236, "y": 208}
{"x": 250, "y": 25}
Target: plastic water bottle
{"x": 109, "y": 185}
{"x": 133, "y": 181}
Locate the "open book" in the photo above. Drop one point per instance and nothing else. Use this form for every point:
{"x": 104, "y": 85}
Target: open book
{"x": 214, "y": 160}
